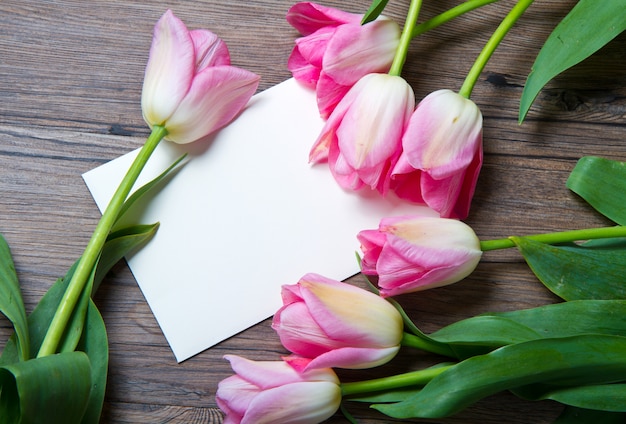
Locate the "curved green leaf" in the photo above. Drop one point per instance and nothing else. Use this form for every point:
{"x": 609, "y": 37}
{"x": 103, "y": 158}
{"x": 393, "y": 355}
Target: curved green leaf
{"x": 576, "y": 272}
{"x": 567, "y": 361}
{"x": 94, "y": 343}
{"x": 374, "y": 11}
{"x": 602, "y": 397}
{"x": 587, "y": 27}
{"x": 52, "y": 389}
{"x": 146, "y": 188}
{"x": 119, "y": 244}
{"x": 11, "y": 302}
{"x": 602, "y": 183}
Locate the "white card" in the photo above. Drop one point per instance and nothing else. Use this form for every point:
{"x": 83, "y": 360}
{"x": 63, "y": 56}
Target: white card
{"x": 244, "y": 216}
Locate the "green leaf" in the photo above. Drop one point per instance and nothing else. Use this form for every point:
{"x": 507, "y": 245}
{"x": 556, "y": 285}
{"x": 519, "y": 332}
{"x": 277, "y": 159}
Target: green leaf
{"x": 52, "y": 389}
{"x": 145, "y": 189}
{"x": 576, "y": 272}
{"x": 587, "y": 27}
{"x": 602, "y": 183}
{"x": 483, "y": 333}
{"x": 119, "y": 244}
{"x": 11, "y": 303}
{"x": 94, "y": 343}
{"x": 374, "y": 11}
{"x": 566, "y": 361}
{"x": 603, "y": 397}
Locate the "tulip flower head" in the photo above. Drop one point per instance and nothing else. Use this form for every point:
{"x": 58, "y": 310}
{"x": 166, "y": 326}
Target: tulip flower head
{"x": 442, "y": 154}
{"x": 362, "y": 137}
{"x": 274, "y": 392}
{"x": 413, "y": 253}
{"x": 189, "y": 86}
{"x": 336, "y": 50}
{"x": 337, "y": 325}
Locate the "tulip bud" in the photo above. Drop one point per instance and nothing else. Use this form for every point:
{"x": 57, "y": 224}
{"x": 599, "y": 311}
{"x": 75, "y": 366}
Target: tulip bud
{"x": 189, "y": 86}
{"x": 442, "y": 154}
{"x": 337, "y": 324}
{"x": 274, "y": 392}
{"x": 412, "y": 253}
{"x": 336, "y": 50}
{"x": 362, "y": 137}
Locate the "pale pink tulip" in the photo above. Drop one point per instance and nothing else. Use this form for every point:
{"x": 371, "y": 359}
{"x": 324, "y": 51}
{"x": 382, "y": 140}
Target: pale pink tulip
{"x": 336, "y": 50}
{"x": 442, "y": 154}
{"x": 189, "y": 86}
{"x": 413, "y": 253}
{"x": 274, "y": 392}
{"x": 362, "y": 138}
{"x": 336, "y": 325}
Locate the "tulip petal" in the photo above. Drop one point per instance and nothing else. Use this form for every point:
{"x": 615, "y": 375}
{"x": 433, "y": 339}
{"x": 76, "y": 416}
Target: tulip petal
{"x": 308, "y": 17}
{"x": 263, "y": 374}
{"x": 209, "y": 49}
{"x": 347, "y": 357}
{"x": 355, "y": 51}
{"x": 234, "y": 395}
{"x": 298, "y": 331}
{"x": 216, "y": 96}
{"x": 297, "y": 403}
{"x": 350, "y": 314}
{"x": 443, "y": 134}
{"x": 302, "y": 70}
{"x": 169, "y": 71}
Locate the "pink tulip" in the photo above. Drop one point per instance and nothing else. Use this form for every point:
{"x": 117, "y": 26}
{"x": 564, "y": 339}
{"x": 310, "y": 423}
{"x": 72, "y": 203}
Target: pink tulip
{"x": 362, "y": 137}
{"x": 336, "y": 50}
{"x": 189, "y": 86}
{"x": 413, "y": 253}
{"x": 336, "y": 325}
{"x": 274, "y": 392}
{"x": 442, "y": 154}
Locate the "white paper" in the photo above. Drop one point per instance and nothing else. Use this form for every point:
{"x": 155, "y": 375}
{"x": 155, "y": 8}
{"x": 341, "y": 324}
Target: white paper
{"x": 244, "y": 216}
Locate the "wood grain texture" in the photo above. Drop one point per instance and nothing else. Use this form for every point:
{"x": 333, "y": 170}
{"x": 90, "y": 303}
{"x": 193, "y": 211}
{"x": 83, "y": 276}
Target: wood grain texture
{"x": 70, "y": 82}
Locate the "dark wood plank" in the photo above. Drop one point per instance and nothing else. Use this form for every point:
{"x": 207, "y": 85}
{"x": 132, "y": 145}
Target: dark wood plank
{"x": 70, "y": 84}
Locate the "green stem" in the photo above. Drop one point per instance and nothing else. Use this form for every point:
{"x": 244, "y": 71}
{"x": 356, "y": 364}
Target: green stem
{"x": 558, "y": 237}
{"x": 426, "y": 344}
{"x": 94, "y": 247}
{"x": 448, "y": 15}
{"x": 484, "y": 56}
{"x": 409, "y": 379}
{"x": 405, "y": 38}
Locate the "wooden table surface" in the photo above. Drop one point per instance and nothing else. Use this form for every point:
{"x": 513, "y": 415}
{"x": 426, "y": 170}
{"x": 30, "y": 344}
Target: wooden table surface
{"x": 70, "y": 84}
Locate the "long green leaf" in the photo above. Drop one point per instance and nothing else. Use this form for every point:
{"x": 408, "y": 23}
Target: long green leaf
{"x": 95, "y": 344}
{"x": 11, "y": 302}
{"x": 52, "y": 390}
{"x": 587, "y": 27}
{"x": 374, "y": 11}
{"x": 147, "y": 188}
{"x": 568, "y": 361}
{"x": 574, "y": 273}
{"x": 117, "y": 246}
{"x": 497, "y": 329}
{"x": 602, "y": 183}
{"x": 602, "y": 397}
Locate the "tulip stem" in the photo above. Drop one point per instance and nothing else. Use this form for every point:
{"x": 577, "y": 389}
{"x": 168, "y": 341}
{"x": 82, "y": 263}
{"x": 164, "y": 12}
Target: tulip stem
{"x": 558, "y": 237}
{"x": 92, "y": 252}
{"x": 507, "y": 23}
{"x": 448, "y": 15}
{"x": 405, "y": 38}
{"x": 409, "y": 379}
